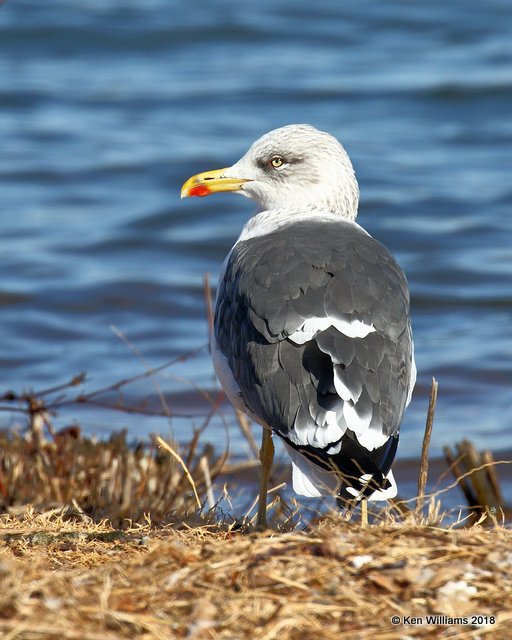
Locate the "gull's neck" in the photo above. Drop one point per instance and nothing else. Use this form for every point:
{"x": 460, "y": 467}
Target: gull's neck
{"x": 266, "y": 222}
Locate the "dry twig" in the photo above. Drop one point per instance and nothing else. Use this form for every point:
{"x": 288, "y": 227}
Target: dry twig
{"x": 422, "y": 479}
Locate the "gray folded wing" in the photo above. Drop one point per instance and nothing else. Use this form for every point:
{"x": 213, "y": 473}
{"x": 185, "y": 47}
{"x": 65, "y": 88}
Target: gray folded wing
{"x": 313, "y": 320}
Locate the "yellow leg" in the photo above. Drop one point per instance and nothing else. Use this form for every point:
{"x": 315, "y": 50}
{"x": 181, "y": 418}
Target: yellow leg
{"x": 364, "y": 514}
{"x": 266, "y": 459}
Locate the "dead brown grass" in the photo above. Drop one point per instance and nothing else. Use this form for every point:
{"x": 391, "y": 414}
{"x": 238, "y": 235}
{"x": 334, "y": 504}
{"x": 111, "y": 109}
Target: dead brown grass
{"x": 110, "y": 479}
{"x": 86, "y": 562}
{"x": 79, "y": 580}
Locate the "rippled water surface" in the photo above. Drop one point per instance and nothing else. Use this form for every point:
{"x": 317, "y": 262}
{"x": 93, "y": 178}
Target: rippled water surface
{"x": 106, "y": 107}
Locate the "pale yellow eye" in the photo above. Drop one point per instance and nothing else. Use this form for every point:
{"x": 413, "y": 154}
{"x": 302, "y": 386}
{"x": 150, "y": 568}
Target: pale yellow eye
{"x": 277, "y": 162}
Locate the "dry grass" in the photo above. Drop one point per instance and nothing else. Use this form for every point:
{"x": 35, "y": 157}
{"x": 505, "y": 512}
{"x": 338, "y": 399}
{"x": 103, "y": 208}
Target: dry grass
{"x": 80, "y": 580}
{"x": 105, "y": 479}
{"x": 80, "y": 559}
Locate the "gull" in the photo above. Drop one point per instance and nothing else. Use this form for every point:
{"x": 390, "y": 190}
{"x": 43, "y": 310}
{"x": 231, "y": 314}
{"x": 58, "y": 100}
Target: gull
{"x": 312, "y": 336}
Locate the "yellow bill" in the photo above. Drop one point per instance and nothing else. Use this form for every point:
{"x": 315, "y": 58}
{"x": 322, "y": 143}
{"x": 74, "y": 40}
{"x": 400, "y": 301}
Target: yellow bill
{"x": 203, "y": 184}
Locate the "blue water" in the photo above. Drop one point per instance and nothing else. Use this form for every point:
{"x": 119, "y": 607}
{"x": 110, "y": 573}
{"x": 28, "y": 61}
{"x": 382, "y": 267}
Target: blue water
{"x": 106, "y": 107}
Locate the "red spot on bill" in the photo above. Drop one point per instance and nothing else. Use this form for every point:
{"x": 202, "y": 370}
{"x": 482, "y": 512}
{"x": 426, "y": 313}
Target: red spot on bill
{"x": 200, "y": 191}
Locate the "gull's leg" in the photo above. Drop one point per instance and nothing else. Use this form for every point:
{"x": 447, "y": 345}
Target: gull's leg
{"x": 266, "y": 459}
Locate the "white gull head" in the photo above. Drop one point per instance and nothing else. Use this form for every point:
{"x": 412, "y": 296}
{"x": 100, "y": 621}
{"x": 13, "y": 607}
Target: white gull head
{"x": 293, "y": 168}
{"x": 298, "y": 167}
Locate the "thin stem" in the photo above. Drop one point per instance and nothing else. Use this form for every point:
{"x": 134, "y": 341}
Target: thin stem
{"x": 422, "y": 479}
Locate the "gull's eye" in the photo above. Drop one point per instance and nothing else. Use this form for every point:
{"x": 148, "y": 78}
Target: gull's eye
{"x": 277, "y": 162}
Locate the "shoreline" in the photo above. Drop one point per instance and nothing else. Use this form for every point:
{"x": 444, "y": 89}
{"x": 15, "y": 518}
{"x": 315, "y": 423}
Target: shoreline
{"x": 74, "y": 579}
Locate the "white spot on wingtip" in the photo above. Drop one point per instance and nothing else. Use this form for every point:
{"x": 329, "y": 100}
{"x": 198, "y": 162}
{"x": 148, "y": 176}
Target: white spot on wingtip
{"x": 332, "y": 451}
{"x": 385, "y": 494}
{"x": 378, "y": 495}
